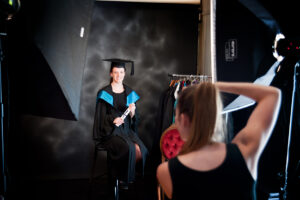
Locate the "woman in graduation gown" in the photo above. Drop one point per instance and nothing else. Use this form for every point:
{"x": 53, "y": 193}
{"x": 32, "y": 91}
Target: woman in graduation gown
{"x": 119, "y": 136}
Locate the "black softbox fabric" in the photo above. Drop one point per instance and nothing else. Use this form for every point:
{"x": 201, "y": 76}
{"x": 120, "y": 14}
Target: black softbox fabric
{"x": 46, "y": 52}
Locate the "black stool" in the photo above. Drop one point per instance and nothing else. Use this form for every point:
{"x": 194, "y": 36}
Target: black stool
{"x": 100, "y": 147}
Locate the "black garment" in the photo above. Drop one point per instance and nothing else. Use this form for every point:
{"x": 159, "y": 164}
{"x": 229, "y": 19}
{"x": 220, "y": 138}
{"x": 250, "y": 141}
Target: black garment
{"x": 164, "y": 118}
{"x": 231, "y": 180}
{"x": 119, "y": 141}
{"x": 168, "y": 112}
{"x": 164, "y": 115}
{"x": 119, "y": 101}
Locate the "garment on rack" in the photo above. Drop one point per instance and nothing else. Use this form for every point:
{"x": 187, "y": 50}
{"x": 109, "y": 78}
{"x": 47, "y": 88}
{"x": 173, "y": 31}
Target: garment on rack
{"x": 165, "y": 111}
{"x": 167, "y": 104}
{"x": 164, "y": 117}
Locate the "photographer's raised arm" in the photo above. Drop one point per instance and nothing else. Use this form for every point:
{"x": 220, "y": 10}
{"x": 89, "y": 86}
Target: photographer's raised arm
{"x": 253, "y": 138}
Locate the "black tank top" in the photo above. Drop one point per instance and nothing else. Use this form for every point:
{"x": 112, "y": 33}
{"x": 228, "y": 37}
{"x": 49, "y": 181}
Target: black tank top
{"x": 231, "y": 180}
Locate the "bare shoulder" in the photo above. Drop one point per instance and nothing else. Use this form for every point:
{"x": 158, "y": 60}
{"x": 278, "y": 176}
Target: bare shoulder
{"x": 162, "y": 168}
{"x": 163, "y": 174}
{"x": 164, "y": 178}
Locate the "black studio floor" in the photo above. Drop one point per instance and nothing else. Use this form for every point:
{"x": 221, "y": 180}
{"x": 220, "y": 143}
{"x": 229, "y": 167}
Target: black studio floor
{"x": 81, "y": 189}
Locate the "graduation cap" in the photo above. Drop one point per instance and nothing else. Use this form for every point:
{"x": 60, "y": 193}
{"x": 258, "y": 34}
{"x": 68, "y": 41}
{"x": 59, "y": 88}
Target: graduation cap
{"x": 120, "y": 63}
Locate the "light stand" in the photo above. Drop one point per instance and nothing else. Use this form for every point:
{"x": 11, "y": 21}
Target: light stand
{"x": 289, "y": 48}
{"x": 284, "y": 188}
{"x": 1, "y": 122}
{"x": 8, "y": 8}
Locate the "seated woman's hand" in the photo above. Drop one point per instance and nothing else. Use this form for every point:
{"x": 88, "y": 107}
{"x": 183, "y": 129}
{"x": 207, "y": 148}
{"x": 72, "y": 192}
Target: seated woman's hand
{"x": 132, "y": 109}
{"x": 118, "y": 121}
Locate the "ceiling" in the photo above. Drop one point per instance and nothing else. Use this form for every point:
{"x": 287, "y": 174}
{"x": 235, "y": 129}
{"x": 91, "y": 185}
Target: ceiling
{"x": 160, "y": 1}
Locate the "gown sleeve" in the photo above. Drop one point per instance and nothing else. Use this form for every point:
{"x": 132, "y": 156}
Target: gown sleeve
{"x": 135, "y": 121}
{"x": 103, "y": 122}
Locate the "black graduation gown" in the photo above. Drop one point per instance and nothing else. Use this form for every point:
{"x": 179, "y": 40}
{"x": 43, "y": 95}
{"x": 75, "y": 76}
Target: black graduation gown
{"x": 119, "y": 141}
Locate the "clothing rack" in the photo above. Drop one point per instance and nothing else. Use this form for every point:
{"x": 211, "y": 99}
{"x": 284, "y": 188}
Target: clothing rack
{"x": 187, "y": 77}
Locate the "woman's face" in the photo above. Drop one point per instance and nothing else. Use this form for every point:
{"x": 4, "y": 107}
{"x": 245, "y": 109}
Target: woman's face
{"x": 117, "y": 74}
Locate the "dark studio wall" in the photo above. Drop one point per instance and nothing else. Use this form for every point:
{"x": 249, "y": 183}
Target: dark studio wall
{"x": 160, "y": 38}
{"x": 156, "y": 37}
{"x": 244, "y": 53}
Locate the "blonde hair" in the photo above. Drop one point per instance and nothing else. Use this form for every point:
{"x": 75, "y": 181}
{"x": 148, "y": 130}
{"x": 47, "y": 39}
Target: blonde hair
{"x": 203, "y": 105}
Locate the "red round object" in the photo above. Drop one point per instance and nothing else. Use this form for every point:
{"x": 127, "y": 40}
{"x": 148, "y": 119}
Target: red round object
{"x": 171, "y": 142}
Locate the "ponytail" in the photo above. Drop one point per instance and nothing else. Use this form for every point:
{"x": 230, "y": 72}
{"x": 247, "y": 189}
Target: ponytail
{"x": 204, "y": 106}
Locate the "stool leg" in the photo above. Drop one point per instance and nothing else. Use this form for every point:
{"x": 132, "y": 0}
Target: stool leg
{"x": 116, "y": 189}
{"x": 113, "y": 181}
